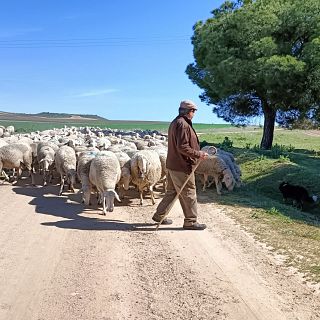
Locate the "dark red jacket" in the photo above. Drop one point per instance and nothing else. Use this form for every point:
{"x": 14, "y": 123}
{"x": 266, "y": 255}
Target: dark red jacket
{"x": 183, "y": 145}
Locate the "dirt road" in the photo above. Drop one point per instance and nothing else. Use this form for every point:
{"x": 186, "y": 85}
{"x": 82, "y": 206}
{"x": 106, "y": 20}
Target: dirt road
{"x": 61, "y": 261}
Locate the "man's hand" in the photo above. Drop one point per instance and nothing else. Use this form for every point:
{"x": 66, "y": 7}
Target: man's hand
{"x": 203, "y": 155}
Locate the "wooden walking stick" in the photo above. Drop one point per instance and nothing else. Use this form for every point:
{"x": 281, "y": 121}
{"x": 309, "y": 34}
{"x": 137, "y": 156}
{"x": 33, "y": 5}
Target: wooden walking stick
{"x": 178, "y": 194}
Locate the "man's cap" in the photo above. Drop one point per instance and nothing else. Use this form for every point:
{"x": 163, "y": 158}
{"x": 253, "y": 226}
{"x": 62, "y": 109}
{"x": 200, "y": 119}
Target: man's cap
{"x": 188, "y": 104}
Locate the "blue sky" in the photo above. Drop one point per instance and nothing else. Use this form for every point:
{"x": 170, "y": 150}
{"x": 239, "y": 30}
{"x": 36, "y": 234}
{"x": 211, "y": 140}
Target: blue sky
{"x": 122, "y": 60}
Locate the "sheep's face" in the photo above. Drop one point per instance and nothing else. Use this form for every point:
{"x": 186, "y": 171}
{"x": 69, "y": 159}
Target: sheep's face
{"x": 140, "y": 174}
{"x": 71, "y": 178}
{"x": 142, "y": 168}
{"x": 46, "y": 162}
{"x": 109, "y": 196}
{"x": 126, "y": 182}
{"x": 86, "y": 194}
{"x": 228, "y": 180}
{"x": 125, "y": 178}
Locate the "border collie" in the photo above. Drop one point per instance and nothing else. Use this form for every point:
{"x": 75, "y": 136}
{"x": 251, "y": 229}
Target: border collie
{"x": 298, "y": 194}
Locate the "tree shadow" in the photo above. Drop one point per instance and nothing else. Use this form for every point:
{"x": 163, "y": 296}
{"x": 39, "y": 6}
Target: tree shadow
{"x": 261, "y": 191}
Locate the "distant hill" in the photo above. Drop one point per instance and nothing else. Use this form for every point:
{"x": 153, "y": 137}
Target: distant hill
{"x": 48, "y": 116}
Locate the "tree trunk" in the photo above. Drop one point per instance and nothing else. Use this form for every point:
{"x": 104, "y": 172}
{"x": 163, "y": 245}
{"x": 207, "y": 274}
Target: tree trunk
{"x": 268, "y": 128}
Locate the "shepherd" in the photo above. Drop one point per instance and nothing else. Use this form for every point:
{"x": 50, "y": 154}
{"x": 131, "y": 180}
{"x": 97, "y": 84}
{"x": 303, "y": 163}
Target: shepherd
{"x": 183, "y": 156}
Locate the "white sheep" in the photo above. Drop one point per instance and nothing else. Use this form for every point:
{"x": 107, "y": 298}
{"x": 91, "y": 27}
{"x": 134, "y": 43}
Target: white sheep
{"x": 10, "y": 129}
{"x": 211, "y": 150}
{"x": 10, "y": 139}
{"x": 35, "y": 149}
{"x": 49, "y": 143}
{"x": 228, "y": 159}
{"x": 104, "y": 174}
{"x": 219, "y": 170}
{"x": 3, "y": 142}
{"x": 83, "y": 167}
{"x": 125, "y": 165}
{"x": 15, "y": 155}
{"x": 162, "y": 152}
{"x": 141, "y": 145}
{"x": 65, "y": 161}
{"x": 146, "y": 171}
{"x": 25, "y": 140}
{"x": 45, "y": 157}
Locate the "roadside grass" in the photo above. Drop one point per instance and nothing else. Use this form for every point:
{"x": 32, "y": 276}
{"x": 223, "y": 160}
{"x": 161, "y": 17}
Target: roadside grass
{"x": 258, "y": 205}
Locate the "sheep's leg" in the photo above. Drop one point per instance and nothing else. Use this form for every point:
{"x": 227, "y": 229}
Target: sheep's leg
{"x": 6, "y": 178}
{"x": 104, "y": 200}
{"x": 32, "y": 178}
{"x": 121, "y": 192}
{"x": 152, "y": 194}
{"x": 61, "y": 184}
{"x": 141, "y": 196}
{"x": 19, "y": 173}
{"x": 204, "y": 181}
{"x": 218, "y": 184}
{"x": 71, "y": 188}
{"x": 210, "y": 183}
{"x": 50, "y": 176}
{"x": 99, "y": 197}
{"x": 45, "y": 178}
{"x": 86, "y": 194}
{"x": 14, "y": 178}
{"x": 33, "y": 165}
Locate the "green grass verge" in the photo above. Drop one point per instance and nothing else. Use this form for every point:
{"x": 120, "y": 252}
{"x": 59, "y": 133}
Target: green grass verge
{"x": 258, "y": 205}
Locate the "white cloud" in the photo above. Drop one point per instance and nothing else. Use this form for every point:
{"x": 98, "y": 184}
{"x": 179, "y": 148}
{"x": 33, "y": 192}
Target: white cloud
{"x": 95, "y": 93}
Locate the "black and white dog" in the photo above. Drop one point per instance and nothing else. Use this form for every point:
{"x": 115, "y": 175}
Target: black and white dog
{"x": 298, "y": 194}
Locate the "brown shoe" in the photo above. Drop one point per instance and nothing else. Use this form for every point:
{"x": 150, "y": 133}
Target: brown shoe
{"x": 195, "y": 226}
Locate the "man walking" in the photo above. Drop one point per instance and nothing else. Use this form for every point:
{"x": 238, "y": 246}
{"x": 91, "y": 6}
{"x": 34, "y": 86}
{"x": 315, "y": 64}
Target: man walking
{"x": 183, "y": 154}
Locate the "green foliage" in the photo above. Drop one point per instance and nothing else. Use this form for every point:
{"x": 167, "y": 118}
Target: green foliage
{"x": 276, "y": 152}
{"x": 305, "y": 124}
{"x": 273, "y": 211}
{"x": 259, "y": 57}
{"x": 226, "y": 143}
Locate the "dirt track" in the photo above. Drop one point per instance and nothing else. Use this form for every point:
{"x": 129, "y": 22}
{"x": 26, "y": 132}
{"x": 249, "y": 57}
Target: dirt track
{"x": 61, "y": 261}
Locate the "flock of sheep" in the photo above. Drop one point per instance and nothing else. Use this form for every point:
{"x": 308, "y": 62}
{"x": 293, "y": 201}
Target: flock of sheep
{"x": 105, "y": 161}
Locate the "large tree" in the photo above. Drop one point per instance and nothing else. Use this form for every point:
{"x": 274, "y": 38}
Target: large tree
{"x": 257, "y": 58}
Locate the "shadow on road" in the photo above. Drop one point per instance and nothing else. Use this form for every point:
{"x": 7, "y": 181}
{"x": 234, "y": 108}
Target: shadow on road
{"x": 69, "y": 207}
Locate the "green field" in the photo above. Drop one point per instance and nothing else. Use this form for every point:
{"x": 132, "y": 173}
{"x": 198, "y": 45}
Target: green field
{"x": 258, "y": 205}
{"x": 29, "y": 126}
